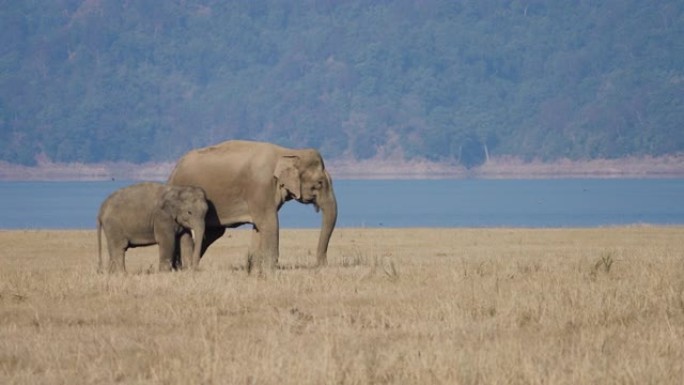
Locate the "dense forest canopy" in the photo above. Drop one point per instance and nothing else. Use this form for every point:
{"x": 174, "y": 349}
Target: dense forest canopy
{"x": 446, "y": 80}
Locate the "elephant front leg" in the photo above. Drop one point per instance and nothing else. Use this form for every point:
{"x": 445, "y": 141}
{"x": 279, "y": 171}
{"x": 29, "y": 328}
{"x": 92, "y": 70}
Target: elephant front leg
{"x": 167, "y": 247}
{"x": 251, "y": 250}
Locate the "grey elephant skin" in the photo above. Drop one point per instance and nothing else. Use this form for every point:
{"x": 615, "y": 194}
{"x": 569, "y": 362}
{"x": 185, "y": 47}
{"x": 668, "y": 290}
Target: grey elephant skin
{"x": 247, "y": 183}
{"x": 149, "y": 213}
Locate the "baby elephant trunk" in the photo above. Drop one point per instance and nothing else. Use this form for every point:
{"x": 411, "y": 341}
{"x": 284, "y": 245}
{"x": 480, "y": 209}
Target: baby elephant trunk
{"x": 197, "y": 233}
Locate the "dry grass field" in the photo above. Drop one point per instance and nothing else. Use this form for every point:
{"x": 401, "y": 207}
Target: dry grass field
{"x": 404, "y": 306}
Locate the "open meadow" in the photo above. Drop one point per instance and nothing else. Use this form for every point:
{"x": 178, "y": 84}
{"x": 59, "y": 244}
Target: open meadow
{"x": 399, "y": 306}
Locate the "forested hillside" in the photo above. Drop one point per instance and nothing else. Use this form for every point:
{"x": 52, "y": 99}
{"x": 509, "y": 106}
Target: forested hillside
{"x": 146, "y": 80}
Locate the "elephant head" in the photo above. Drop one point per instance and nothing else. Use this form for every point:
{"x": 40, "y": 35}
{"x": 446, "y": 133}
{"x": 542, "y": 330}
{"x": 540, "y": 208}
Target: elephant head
{"x": 303, "y": 174}
{"x": 187, "y": 206}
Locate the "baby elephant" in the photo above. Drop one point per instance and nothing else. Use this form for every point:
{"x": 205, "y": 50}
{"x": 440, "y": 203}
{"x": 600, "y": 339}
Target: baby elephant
{"x": 151, "y": 213}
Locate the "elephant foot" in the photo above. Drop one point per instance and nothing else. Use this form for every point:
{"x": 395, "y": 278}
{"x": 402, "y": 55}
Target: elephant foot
{"x": 165, "y": 267}
{"x": 263, "y": 265}
{"x": 116, "y": 268}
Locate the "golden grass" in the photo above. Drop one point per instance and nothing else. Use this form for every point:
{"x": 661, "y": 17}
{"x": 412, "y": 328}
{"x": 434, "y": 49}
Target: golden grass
{"x": 409, "y": 306}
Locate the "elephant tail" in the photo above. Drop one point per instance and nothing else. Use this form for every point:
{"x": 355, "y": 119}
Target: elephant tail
{"x": 99, "y": 245}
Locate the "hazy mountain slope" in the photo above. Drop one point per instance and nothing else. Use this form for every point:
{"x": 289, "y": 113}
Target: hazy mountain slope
{"x": 104, "y": 80}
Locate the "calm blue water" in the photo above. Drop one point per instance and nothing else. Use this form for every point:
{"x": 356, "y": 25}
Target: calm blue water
{"x": 399, "y": 203}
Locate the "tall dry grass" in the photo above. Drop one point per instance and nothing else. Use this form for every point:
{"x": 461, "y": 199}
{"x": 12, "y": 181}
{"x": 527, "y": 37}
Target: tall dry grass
{"x": 414, "y": 306}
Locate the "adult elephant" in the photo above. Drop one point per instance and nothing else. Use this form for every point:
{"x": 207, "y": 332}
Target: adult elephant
{"x": 248, "y": 182}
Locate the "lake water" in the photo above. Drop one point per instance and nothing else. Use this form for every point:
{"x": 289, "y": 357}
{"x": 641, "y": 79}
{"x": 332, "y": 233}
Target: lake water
{"x": 399, "y": 203}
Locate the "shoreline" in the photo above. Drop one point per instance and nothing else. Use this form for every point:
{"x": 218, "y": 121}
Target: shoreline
{"x": 671, "y": 166}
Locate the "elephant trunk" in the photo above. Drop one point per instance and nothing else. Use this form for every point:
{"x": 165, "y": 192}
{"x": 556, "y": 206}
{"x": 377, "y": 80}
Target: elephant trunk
{"x": 328, "y": 205}
{"x": 197, "y": 232}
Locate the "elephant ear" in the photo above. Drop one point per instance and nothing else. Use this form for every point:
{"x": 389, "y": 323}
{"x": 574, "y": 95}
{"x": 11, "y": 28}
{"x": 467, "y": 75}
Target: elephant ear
{"x": 287, "y": 174}
{"x": 170, "y": 203}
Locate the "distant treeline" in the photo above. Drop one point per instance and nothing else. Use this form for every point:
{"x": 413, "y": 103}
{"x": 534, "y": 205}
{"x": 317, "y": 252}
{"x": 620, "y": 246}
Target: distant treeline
{"x": 458, "y": 81}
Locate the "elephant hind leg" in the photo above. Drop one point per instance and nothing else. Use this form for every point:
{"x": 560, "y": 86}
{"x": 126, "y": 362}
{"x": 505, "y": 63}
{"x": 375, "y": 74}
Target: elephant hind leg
{"x": 263, "y": 249}
{"x": 117, "y": 252}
